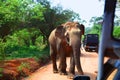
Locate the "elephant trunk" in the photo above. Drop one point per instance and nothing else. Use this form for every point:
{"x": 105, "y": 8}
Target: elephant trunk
{"x": 76, "y": 53}
{"x": 76, "y": 44}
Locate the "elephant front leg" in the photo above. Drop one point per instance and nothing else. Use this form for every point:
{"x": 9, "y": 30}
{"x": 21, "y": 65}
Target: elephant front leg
{"x": 78, "y": 64}
{"x": 72, "y": 67}
{"x": 55, "y": 70}
{"x": 53, "y": 56}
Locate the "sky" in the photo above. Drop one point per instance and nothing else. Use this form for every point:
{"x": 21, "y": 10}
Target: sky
{"x": 85, "y": 8}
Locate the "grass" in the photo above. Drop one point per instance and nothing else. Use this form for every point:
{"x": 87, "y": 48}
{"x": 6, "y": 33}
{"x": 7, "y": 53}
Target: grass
{"x": 26, "y": 52}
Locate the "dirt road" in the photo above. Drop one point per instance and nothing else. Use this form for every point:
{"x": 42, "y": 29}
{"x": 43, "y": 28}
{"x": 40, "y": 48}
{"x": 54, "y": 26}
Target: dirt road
{"x": 89, "y": 62}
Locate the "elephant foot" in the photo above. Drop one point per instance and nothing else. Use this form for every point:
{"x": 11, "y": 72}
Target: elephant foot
{"x": 63, "y": 72}
{"x": 55, "y": 71}
{"x": 81, "y": 73}
{"x": 70, "y": 76}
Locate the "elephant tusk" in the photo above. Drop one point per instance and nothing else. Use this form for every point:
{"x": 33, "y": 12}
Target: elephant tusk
{"x": 68, "y": 40}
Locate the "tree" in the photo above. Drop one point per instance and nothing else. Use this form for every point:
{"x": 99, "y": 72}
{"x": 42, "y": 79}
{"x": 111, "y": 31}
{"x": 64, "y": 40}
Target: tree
{"x": 16, "y": 14}
{"x": 97, "y": 25}
{"x": 54, "y": 16}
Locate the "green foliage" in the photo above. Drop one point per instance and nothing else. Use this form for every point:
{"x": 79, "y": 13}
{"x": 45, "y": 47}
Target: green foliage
{"x": 87, "y": 30}
{"x": 2, "y": 50}
{"x": 24, "y": 51}
{"x": 1, "y": 69}
{"x": 16, "y": 14}
{"x": 26, "y": 36}
{"x": 116, "y": 32}
{"x": 20, "y": 44}
{"x": 23, "y": 66}
{"x": 96, "y": 26}
{"x": 96, "y": 29}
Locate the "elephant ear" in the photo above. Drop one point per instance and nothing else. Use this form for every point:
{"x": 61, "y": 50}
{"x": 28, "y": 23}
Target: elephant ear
{"x": 59, "y": 32}
{"x": 82, "y": 28}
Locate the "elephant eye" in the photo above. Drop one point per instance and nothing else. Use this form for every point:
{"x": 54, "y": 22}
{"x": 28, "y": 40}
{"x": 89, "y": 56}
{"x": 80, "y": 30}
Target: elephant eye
{"x": 66, "y": 27}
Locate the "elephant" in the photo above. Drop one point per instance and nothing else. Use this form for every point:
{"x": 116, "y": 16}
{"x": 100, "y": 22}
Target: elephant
{"x": 63, "y": 40}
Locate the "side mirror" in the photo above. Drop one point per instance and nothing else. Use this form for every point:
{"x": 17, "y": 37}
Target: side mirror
{"x": 81, "y": 77}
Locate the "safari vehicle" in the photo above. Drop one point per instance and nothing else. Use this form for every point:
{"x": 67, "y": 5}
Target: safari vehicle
{"x": 91, "y": 42}
{"x": 109, "y": 46}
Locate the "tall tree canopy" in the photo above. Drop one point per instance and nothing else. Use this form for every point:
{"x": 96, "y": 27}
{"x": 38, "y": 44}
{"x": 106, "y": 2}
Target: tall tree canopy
{"x": 18, "y": 14}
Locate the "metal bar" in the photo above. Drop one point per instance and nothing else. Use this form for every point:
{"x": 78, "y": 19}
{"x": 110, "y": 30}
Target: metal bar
{"x": 106, "y": 33}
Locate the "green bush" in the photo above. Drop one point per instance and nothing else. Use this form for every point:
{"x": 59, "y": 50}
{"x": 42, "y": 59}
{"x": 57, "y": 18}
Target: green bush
{"x": 21, "y": 68}
{"x": 16, "y": 45}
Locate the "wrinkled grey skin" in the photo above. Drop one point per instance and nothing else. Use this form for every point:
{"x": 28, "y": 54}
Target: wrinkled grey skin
{"x": 69, "y": 33}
